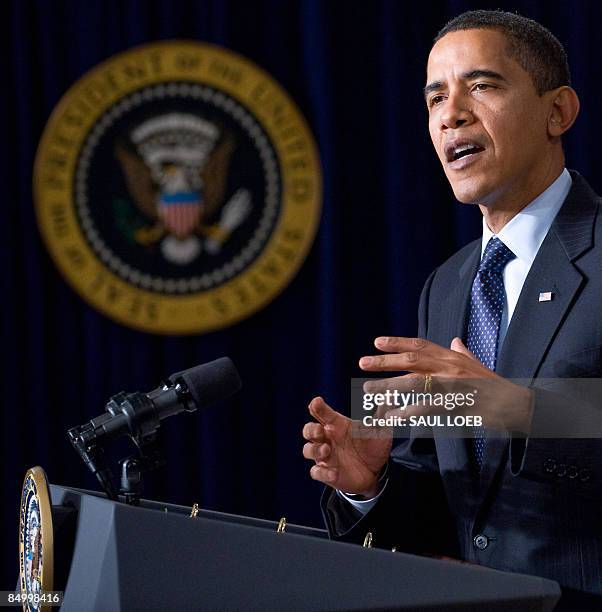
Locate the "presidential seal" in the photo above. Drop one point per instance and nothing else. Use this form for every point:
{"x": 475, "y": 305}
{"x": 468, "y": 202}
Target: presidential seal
{"x": 177, "y": 187}
{"x": 36, "y": 556}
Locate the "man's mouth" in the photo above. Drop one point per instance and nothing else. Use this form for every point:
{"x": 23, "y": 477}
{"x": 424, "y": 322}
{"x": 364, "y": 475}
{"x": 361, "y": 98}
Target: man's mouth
{"x": 456, "y": 150}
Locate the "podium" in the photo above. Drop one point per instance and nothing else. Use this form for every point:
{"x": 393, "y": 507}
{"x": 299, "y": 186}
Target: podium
{"x": 156, "y": 557}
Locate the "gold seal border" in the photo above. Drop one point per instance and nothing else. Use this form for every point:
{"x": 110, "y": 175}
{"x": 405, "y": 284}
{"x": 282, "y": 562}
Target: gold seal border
{"x": 40, "y": 483}
{"x": 288, "y": 132}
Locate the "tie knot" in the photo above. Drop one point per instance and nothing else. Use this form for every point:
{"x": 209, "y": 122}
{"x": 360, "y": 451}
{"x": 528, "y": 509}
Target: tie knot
{"x": 496, "y": 256}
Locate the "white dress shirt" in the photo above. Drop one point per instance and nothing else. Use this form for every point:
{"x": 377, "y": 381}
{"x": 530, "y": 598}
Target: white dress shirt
{"x": 523, "y": 235}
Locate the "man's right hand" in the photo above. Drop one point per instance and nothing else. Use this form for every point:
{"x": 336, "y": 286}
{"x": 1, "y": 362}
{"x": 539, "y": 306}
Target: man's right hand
{"x": 347, "y": 455}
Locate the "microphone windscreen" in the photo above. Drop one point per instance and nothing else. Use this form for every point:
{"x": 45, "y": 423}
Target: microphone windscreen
{"x": 210, "y": 382}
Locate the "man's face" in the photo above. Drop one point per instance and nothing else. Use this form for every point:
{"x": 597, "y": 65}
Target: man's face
{"x": 486, "y": 120}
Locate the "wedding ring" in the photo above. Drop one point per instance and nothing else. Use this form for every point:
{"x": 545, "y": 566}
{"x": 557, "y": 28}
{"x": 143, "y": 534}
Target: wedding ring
{"x": 428, "y": 383}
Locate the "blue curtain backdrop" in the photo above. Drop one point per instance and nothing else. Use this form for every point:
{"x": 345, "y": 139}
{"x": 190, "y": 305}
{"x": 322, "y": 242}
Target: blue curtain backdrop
{"x": 356, "y": 69}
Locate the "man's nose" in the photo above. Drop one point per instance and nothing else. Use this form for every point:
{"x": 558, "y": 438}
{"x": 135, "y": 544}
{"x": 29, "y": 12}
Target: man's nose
{"x": 456, "y": 113}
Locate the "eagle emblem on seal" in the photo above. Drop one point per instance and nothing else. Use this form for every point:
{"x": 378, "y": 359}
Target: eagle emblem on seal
{"x": 175, "y": 167}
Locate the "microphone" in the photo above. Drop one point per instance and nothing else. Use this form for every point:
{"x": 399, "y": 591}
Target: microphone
{"x": 138, "y": 415}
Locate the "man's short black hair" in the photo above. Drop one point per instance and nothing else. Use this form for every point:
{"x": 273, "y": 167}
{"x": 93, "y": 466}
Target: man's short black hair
{"x": 534, "y": 47}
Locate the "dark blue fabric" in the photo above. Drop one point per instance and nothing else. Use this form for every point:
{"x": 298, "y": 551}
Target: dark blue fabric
{"x": 356, "y": 69}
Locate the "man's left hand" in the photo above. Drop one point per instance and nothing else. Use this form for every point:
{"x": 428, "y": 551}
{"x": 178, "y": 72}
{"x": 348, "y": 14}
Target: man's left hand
{"x": 504, "y": 406}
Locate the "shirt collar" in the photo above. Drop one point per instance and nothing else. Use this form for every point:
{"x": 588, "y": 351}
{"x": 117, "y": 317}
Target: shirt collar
{"x": 525, "y": 232}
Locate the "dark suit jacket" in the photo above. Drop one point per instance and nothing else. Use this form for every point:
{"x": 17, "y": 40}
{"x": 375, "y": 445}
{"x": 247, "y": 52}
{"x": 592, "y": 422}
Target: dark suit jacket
{"x": 538, "y": 503}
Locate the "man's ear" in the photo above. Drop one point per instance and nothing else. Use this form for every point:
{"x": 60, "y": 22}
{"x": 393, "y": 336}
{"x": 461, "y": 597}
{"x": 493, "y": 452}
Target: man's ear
{"x": 564, "y": 111}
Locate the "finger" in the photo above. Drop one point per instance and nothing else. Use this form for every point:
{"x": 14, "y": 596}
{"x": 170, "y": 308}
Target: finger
{"x": 316, "y": 452}
{"x": 396, "y": 344}
{"x": 410, "y": 361}
{"x": 459, "y": 347}
{"x": 401, "y": 383}
{"x": 322, "y": 412}
{"x": 360, "y": 431}
{"x": 323, "y": 474}
{"x": 409, "y": 354}
{"x": 314, "y": 432}
{"x": 398, "y": 385}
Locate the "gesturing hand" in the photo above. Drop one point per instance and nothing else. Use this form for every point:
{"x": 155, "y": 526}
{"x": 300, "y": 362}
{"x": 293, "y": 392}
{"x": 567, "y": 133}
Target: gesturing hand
{"x": 347, "y": 456}
{"x": 502, "y": 404}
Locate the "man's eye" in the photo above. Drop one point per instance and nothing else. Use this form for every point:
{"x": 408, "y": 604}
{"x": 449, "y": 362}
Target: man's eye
{"x": 482, "y": 87}
{"x": 436, "y": 100}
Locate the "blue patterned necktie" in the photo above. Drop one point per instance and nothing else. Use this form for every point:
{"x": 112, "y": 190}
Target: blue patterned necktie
{"x": 486, "y": 306}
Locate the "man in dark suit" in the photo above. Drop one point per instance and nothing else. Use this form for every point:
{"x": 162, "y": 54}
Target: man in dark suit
{"x": 525, "y": 299}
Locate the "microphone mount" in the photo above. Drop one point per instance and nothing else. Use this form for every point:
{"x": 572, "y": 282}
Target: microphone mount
{"x": 138, "y": 416}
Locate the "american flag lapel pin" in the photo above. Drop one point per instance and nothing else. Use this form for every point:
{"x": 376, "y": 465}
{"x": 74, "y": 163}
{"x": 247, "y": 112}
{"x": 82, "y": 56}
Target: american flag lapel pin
{"x": 545, "y": 296}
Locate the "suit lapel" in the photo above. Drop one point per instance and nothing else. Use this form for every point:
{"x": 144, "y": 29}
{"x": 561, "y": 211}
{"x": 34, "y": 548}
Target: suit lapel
{"x": 534, "y": 324}
{"x": 452, "y": 452}
{"x": 455, "y": 307}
